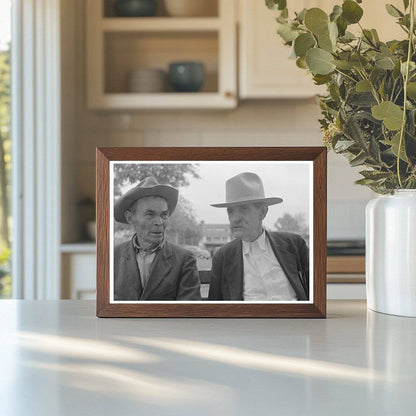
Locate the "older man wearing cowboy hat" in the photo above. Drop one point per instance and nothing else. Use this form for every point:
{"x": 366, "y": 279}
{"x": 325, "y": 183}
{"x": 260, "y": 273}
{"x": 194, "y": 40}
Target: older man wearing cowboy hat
{"x": 148, "y": 267}
{"x": 257, "y": 265}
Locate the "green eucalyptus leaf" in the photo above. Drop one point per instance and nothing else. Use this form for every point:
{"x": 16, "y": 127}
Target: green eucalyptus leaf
{"x": 319, "y": 61}
{"x": 316, "y": 20}
{"x": 394, "y": 145}
{"x": 358, "y": 160}
{"x": 358, "y": 61}
{"x": 365, "y": 182}
{"x": 333, "y": 32}
{"x": 300, "y": 17}
{"x": 377, "y": 74}
{"x": 336, "y": 12}
{"x": 361, "y": 99}
{"x": 341, "y": 25}
{"x": 341, "y": 64}
{"x": 284, "y": 13}
{"x": 351, "y": 11}
{"x": 368, "y": 35}
{"x": 412, "y": 67}
{"x": 363, "y": 86}
{"x": 347, "y": 37}
{"x": 390, "y": 113}
{"x": 343, "y": 145}
{"x": 396, "y": 71}
{"x": 301, "y": 63}
{"x": 276, "y": 4}
{"x": 393, "y": 11}
{"x": 411, "y": 90}
{"x": 321, "y": 79}
{"x": 375, "y": 35}
{"x": 324, "y": 42}
{"x": 375, "y": 175}
{"x": 374, "y": 150}
{"x": 385, "y": 63}
{"x": 303, "y": 43}
{"x": 286, "y": 32}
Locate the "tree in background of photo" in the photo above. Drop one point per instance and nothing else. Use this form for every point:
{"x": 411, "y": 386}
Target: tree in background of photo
{"x": 5, "y": 166}
{"x": 183, "y": 227}
{"x": 293, "y": 224}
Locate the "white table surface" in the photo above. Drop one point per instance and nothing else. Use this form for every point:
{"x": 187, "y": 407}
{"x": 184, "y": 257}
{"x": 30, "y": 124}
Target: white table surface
{"x": 57, "y": 358}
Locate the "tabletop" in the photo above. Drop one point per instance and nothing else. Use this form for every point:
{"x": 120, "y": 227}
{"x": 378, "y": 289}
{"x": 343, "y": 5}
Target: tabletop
{"x": 57, "y": 358}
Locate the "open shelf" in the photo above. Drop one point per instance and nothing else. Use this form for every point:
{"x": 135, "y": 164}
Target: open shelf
{"x": 128, "y": 51}
{"x": 160, "y": 24}
{"x": 116, "y": 46}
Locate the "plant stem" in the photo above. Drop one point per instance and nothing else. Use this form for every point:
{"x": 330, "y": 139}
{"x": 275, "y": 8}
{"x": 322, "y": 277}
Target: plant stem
{"x": 373, "y": 90}
{"x": 345, "y": 75}
{"x": 406, "y": 78}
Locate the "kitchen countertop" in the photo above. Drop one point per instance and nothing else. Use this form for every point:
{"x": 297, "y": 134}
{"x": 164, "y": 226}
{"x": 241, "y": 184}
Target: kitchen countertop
{"x": 57, "y": 358}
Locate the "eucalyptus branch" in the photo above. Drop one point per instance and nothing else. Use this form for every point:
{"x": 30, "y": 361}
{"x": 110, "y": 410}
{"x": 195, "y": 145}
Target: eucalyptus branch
{"x": 373, "y": 90}
{"x": 406, "y": 79}
{"x": 392, "y": 90}
{"x": 346, "y": 75}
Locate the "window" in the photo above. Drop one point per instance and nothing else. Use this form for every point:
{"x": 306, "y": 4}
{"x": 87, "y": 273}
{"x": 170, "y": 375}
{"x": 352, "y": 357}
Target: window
{"x": 5, "y": 159}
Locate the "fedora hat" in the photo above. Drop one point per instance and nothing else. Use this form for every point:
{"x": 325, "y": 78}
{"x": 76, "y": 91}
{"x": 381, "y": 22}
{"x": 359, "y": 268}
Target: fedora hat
{"x": 245, "y": 188}
{"x": 147, "y": 187}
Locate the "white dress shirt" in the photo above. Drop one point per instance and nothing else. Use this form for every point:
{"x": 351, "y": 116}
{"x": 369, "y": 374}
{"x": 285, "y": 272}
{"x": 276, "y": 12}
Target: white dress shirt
{"x": 145, "y": 259}
{"x": 264, "y": 278}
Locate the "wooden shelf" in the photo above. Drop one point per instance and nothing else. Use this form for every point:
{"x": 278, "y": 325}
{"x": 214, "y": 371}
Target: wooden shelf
{"x": 163, "y": 101}
{"x": 346, "y": 264}
{"x": 159, "y": 24}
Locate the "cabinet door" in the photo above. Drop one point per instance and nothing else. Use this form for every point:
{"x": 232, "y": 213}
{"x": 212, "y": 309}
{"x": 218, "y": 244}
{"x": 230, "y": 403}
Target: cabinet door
{"x": 265, "y": 68}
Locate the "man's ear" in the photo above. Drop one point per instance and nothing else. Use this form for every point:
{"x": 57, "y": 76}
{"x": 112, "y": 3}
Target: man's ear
{"x": 265, "y": 210}
{"x": 127, "y": 216}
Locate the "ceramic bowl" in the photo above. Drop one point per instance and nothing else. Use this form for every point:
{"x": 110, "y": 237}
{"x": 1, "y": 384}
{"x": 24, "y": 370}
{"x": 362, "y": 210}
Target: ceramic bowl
{"x": 186, "y": 76}
{"x": 147, "y": 80}
{"x": 135, "y": 8}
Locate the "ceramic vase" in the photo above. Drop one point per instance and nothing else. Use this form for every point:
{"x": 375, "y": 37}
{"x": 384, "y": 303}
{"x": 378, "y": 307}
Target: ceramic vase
{"x": 391, "y": 253}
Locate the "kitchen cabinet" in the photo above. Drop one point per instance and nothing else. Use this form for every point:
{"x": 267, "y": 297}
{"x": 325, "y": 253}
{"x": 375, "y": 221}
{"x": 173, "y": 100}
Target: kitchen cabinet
{"x": 118, "y": 45}
{"x": 265, "y": 70}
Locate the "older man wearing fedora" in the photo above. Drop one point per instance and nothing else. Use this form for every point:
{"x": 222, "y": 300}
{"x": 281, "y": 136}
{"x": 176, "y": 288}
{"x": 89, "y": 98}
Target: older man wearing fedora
{"x": 257, "y": 265}
{"x": 148, "y": 267}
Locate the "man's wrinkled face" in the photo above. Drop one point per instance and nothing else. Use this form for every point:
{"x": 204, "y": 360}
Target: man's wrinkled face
{"x": 149, "y": 215}
{"x": 246, "y": 220}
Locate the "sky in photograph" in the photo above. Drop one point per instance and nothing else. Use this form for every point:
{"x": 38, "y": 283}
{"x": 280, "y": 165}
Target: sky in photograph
{"x": 288, "y": 181}
{"x": 5, "y": 21}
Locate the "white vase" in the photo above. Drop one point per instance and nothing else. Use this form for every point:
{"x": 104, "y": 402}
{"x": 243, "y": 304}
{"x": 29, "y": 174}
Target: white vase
{"x": 391, "y": 253}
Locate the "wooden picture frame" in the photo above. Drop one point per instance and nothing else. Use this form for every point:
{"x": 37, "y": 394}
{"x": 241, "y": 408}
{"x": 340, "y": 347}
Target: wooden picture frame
{"x": 315, "y": 157}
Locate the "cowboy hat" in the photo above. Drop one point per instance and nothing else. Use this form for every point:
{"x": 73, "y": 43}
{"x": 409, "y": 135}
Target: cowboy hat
{"x": 245, "y": 188}
{"x": 147, "y": 187}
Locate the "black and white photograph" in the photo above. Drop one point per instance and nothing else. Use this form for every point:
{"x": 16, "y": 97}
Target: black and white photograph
{"x": 211, "y": 231}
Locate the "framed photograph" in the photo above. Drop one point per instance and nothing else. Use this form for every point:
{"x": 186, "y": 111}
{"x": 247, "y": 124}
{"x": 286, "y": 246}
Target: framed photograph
{"x": 211, "y": 232}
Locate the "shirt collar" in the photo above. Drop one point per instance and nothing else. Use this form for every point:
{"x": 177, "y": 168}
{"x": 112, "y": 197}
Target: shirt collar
{"x": 261, "y": 243}
{"x": 138, "y": 249}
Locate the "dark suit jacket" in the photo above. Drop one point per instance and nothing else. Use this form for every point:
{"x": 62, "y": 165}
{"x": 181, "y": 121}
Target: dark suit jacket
{"x": 227, "y": 272}
{"x": 174, "y": 275}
